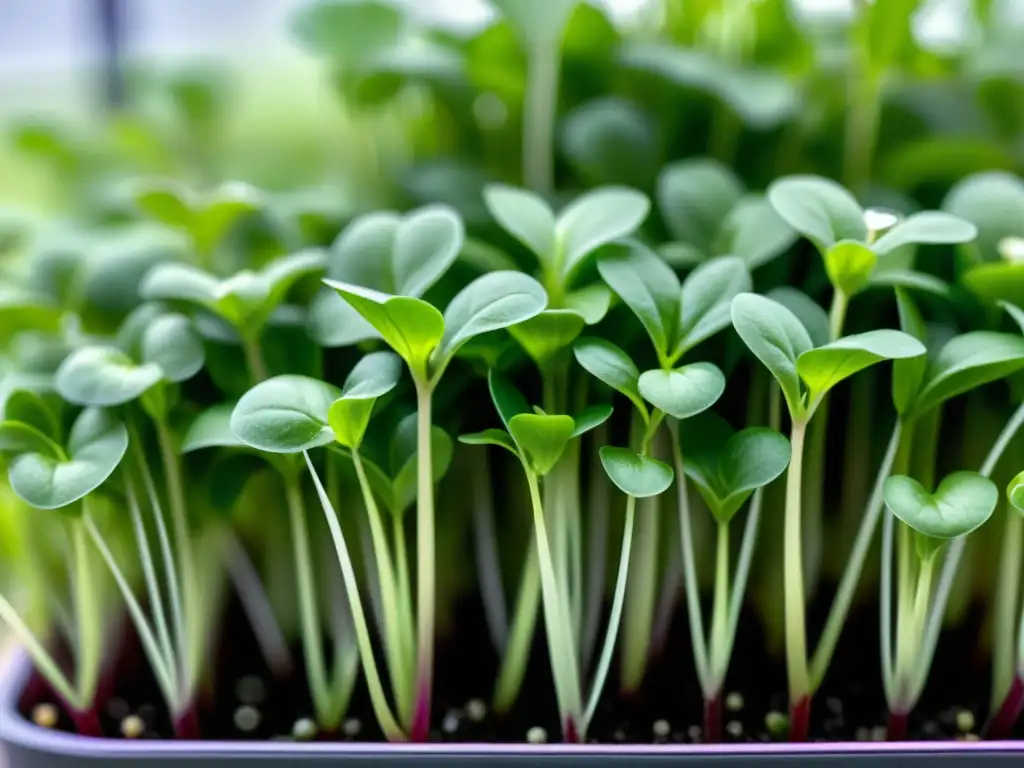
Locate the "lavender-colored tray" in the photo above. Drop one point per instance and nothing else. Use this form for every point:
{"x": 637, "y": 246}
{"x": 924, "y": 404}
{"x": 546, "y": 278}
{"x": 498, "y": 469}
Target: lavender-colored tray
{"x": 29, "y": 746}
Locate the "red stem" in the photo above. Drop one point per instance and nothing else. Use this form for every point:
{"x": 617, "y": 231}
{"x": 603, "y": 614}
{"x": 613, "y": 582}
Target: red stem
{"x": 420, "y": 730}
{"x": 186, "y": 725}
{"x": 1000, "y": 725}
{"x": 800, "y": 719}
{"x": 572, "y": 736}
{"x": 713, "y": 719}
{"x": 896, "y": 730}
{"x": 87, "y": 722}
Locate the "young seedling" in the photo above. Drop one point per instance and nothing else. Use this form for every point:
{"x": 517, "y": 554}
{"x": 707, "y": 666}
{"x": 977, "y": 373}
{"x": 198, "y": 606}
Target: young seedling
{"x": 677, "y": 317}
{"x": 805, "y": 375}
{"x": 245, "y": 301}
{"x": 727, "y": 467}
{"x": 51, "y": 473}
{"x": 961, "y": 503}
{"x": 1005, "y": 714}
{"x": 427, "y": 341}
{"x": 562, "y": 245}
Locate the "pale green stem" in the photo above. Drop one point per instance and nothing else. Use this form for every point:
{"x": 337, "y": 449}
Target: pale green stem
{"x": 89, "y": 637}
{"x": 955, "y": 552}
{"x": 796, "y": 639}
{"x": 540, "y": 106}
{"x": 720, "y": 612}
{"x": 524, "y": 620}
{"x": 1007, "y": 594}
{"x": 597, "y": 539}
{"x": 161, "y": 666}
{"x": 42, "y": 659}
{"x": 563, "y": 656}
{"x": 312, "y": 642}
{"x": 696, "y": 620}
{"x": 743, "y": 565}
{"x": 425, "y": 554}
{"x": 885, "y": 609}
{"x": 855, "y": 565}
{"x": 636, "y": 638}
{"x": 909, "y": 656}
{"x": 392, "y": 731}
{"x": 405, "y": 614}
{"x": 485, "y": 541}
{"x": 905, "y": 614}
{"x": 400, "y": 673}
{"x": 837, "y": 314}
{"x": 615, "y": 620}
{"x": 254, "y": 358}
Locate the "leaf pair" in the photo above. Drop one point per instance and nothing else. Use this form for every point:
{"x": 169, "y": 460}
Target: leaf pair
{"x": 50, "y": 475}
{"x": 206, "y": 218}
{"x": 676, "y": 317}
{"x": 961, "y": 503}
{"x": 830, "y": 217}
{"x": 806, "y": 373}
{"x": 562, "y": 244}
{"x": 153, "y": 346}
{"x": 245, "y": 300}
{"x": 728, "y": 466}
{"x": 706, "y": 208}
{"x": 424, "y": 338}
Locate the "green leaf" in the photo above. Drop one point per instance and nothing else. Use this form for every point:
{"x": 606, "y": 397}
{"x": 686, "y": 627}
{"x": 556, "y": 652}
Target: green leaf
{"x": 171, "y": 343}
{"x": 807, "y": 310}
{"x": 104, "y": 376}
{"x": 542, "y": 438}
{"x": 908, "y": 278}
{"x": 597, "y": 218}
{"x": 648, "y": 286}
{"x": 491, "y": 302}
{"x": 347, "y": 31}
{"x": 997, "y": 281}
{"x": 508, "y": 400}
{"x": 819, "y": 209}
{"x": 1014, "y": 312}
{"x": 401, "y": 255}
{"x": 695, "y": 198}
{"x": 537, "y": 24}
{"x": 968, "y": 361}
{"x": 962, "y": 503}
{"x": 1015, "y": 492}
{"x": 994, "y": 202}
{"x": 926, "y": 227}
{"x": 373, "y": 376}
{"x": 285, "y": 414}
{"x": 685, "y": 391}
{"x": 211, "y": 428}
{"x": 592, "y": 417}
{"x": 490, "y": 437}
{"x": 590, "y": 302}
{"x": 29, "y": 407}
{"x": 96, "y": 445}
{"x": 609, "y": 364}
{"x": 908, "y": 374}
{"x": 412, "y": 327}
{"x": 548, "y": 333}
{"x": 750, "y": 460}
{"x": 165, "y": 201}
{"x": 849, "y": 265}
{"x": 776, "y": 337}
{"x": 755, "y": 232}
{"x": 610, "y": 140}
{"x": 404, "y": 464}
{"x": 333, "y": 322}
{"x": 220, "y": 210}
{"x": 173, "y": 281}
{"x": 707, "y": 296}
{"x": 17, "y": 437}
{"x": 633, "y": 474}
{"x": 824, "y": 367}
{"x": 526, "y": 217}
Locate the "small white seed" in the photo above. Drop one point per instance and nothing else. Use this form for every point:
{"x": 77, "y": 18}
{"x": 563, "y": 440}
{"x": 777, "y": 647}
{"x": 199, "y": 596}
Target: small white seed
{"x": 351, "y": 727}
{"x": 734, "y": 701}
{"x": 662, "y": 728}
{"x": 476, "y": 710}
{"x": 536, "y": 735}
{"x": 734, "y": 728}
{"x": 965, "y": 721}
{"x": 247, "y": 718}
{"x": 133, "y": 727}
{"x": 450, "y": 722}
{"x": 776, "y": 723}
{"x": 304, "y": 729}
{"x": 45, "y": 715}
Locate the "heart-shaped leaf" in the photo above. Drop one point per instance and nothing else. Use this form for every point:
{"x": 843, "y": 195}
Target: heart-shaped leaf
{"x": 590, "y": 302}
{"x": 542, "y": 438}
{"x": 962, "y": 503}
{"x": 849, "y": 265}
{"x": 695, "y": 197}
{"x": 491, "y": 302}
{"x": 526, "y": 217}
{"x": 633, "y": 474}
{"x": 398, "y": 255}
{"x": 285, "y": 414}
{"x": 16, "y": 438}
{"x": 926, "y": 227}
{"x": 171, "y": 342}
{"x": 173, "y": 281}
{"x": 592, "y": 417}
{"x": 347, "y": 31}
{"x": 491, "y": 437}
{"x": 824, "y": 367}
{"x": 508, "y": 400}
{"x": 333, "y": 322}
{"x": 548, "y": 333}
{"x": 96, "y": 445}
{"x": 776, "y": 337}
{"x": 104, "y": 376}
{"x": 707, "y": 297}
{"x": 31, "y": 408}
{"x": 807, "y": 310}
{"x": 1015, "y": 492}
{"x": 819, "y": 209}
{"x": 685, "y": 391}
{"x": 648, "y": 286}
{"x": 596, "y": 218}
{"x": 373, "y": 376}
{"x": 211, "y": 429}
{"x": 965, "y": 362}
{"x": 609, "y": 364}
{"x": 412, "y": 327}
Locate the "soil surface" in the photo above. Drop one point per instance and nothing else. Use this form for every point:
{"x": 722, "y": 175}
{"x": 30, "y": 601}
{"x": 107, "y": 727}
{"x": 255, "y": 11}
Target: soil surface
{"x": 245, "y": 702}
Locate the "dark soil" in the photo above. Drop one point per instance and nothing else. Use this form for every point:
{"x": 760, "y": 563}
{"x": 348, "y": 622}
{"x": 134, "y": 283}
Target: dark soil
{"x": 849, "y": 707}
